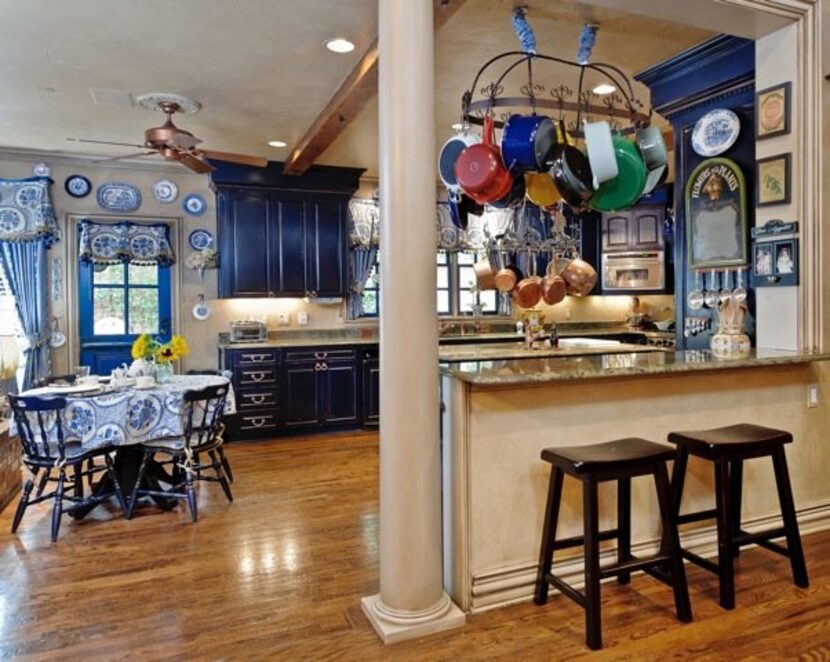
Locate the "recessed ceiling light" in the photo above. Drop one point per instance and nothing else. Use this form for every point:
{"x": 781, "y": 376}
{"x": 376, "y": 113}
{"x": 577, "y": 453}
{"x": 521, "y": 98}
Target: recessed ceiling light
{"x": 604, "y": 88}
{"x": 339, "y": 45}
{"x": 277, "y": 143}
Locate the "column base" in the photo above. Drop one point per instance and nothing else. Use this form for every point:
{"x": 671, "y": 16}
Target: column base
{"x": 394, "y": 625}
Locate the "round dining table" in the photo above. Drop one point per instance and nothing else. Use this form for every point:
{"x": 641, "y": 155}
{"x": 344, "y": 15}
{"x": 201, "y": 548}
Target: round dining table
{"x": 124, "y": 416}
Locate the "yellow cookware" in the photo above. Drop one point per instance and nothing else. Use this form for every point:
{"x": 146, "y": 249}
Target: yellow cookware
{"x": 540, "y": 189}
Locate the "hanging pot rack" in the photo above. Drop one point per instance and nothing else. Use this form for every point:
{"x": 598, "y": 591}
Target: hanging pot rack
{"x": 622, "y": 104}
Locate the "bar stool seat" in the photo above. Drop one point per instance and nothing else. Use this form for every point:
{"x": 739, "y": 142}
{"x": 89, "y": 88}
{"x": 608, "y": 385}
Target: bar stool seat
{"x": 728, "y": 447}
{"x": 619, "y": 460}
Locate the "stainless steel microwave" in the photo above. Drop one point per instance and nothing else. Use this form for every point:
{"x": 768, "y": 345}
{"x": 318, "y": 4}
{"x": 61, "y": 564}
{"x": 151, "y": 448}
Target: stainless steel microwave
{"x": 633, "y": 271}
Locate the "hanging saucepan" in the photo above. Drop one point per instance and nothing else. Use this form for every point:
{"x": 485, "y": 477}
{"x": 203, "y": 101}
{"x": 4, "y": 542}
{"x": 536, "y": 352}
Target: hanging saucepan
{"x": 540, "y": 190}
{"x": 554, "y": 289}
{"x": 480, "y": 171}
{"x": 529, "y": 290}
{"x": 508, "y": 276}
{"x": 627, "y": 187}
{"x": 514, "y": 196}
{"x": 653, "y": 150}
{"x": 580, "y": 277}
{"x": 449, "y": 154}
{"x": 571, "y": 174}
{"x": 460, "y": 210}
{"x": 485, "y": 274}
{"x": 525, "y": 142}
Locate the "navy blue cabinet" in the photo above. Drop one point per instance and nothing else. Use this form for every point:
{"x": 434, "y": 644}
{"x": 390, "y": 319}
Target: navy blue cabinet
{"x": 281, "y": 243}
{"x": 302, "y": 404}
{"x": 371, "y": 386}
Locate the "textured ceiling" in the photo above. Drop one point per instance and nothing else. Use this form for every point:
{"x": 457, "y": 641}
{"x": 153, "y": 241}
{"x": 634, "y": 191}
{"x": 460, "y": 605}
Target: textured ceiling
{"x": 258, "y": 66}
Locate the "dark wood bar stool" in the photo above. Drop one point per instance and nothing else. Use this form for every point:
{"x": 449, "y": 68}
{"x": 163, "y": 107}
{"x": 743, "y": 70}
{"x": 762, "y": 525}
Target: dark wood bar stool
{"x": 618, "y": 460}
{"x": 727, "y": 448}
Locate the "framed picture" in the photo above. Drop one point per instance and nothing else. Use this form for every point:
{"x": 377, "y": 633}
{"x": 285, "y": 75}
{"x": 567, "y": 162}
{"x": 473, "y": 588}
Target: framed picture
{"x": 772, "y": 178}
{"x": 775, "y": 254}
{"x": 772, "y": 111}
{"x": 762, "y": 264}
{"x": 716, "y": 215}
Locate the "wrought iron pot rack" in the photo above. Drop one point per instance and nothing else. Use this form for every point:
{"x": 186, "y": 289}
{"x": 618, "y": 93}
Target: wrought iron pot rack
{"x": 619, "y": 105}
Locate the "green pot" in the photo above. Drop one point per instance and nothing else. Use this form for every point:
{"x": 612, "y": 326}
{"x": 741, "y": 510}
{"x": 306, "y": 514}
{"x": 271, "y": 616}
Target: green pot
{"x": 627, "y": 187}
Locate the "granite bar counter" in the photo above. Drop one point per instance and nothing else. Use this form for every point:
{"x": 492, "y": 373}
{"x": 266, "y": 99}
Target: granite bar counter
{"x": 498, "y": 415}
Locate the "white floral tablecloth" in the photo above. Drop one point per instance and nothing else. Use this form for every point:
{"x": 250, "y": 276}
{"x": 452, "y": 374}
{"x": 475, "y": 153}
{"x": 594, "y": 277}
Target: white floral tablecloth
{"x": 127, "y": 416}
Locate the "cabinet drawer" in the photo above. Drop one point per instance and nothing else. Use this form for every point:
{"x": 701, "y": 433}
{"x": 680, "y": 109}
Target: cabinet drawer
{"x": 254, "y": 375}
{"x": 320, "y": 354}
{"x": 257, "y": 422}
{"x": 256, "y": 399}
{"x": 256, "y": 357}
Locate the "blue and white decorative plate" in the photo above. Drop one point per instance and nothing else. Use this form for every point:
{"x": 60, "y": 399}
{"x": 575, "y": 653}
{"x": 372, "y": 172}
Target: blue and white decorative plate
{"x": 117, "y": 196}
{"x": 77, "y": 186}
{"x": 165, "y": 191}
{"x": 200, "y": 240}
{"x": 715, "y": 132}
{"x": 194, "y": 204}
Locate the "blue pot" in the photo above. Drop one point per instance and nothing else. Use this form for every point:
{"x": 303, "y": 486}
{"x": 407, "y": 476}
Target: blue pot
{"x": 525, "y": 142}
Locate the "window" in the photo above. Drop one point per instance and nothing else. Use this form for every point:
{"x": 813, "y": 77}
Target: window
{"x": 455, "y": 287}
{"x": 125, "y": 300}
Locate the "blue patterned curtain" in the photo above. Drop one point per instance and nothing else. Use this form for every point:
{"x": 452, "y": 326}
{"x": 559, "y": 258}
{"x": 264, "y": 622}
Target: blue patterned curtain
{"x": 125, "y": 243}
{"x": 364, "y": 236}
{"x": 360, "y": 264}
{"x": 24, "y": 263}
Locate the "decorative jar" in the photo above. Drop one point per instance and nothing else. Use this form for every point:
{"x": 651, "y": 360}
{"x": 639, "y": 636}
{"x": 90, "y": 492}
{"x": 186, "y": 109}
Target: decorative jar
{"x": 164, "y": 372}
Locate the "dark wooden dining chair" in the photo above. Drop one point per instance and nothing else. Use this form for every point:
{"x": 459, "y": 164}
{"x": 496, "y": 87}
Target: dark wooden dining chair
{"x": 227, "y": 374}
{"x": 202, "y": 435}
{"x": 35, "y": 417}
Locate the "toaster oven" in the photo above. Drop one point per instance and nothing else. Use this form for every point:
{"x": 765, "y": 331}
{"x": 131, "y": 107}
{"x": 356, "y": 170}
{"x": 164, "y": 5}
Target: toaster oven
{"x": 248, "y": 331}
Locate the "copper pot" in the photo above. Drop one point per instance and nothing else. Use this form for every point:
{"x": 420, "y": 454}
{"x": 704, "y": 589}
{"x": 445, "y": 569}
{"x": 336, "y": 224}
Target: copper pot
{"x": 554, "y": 289}
{"x": 580, "y": 277}
{"x": 485, "y": 275}
{"x": 528, "y": 292}
{"x": 507, "y": 278}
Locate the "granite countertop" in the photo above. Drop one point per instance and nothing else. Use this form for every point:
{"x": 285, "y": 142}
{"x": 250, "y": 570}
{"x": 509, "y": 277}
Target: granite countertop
{"x": 516, "y": 372}
{"x": 516, "y": 350}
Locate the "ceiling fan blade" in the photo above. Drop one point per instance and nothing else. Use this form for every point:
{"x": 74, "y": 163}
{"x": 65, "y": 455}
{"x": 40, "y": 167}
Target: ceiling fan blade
{"x": 127, "y": 156}
{"x": 195, "y": 164}
{"x": 105, "y": 142}
{"x": 258, "y": 161}
{"x": 184, "y": 141}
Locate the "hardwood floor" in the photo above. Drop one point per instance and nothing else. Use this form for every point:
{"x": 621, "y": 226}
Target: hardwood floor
{"x": 279, "y": 573}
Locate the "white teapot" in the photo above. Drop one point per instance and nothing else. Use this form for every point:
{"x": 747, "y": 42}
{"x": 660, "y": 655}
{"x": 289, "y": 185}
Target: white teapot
{"x": 140, "y": 368}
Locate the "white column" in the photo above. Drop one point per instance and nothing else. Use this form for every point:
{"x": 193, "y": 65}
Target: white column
{"x": 412, "y": 601}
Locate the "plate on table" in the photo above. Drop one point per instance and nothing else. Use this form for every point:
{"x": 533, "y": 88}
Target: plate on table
{"x": 715, "y": 132}
{"x": 77, "y": 186}
{"x": 69, "y": 389}
{"x": 194, "y": 204}
{"x": 165, "y": 191}
{"x": 200, "y": 239}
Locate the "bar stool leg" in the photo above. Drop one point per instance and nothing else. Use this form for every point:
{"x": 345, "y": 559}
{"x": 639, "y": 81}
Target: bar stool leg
{"x": 785, "y": 497}
{"x": 726, "y": 570}
{"x": 624, "y": 526}
{"x": 671, "y": 540}
{"x": 736, "y": 481}
{"x": 593, "y": 616}
{"x": 548, "y": 534}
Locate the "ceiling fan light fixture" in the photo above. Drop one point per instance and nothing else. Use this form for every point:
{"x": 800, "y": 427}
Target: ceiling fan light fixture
{"x": 278, "y": 143}
{"x": 339, "y": 45}
{"x": 604, "y": 88}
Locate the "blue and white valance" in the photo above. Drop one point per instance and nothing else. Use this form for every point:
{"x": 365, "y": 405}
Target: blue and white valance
{"x": 125, "y": 242}
{"x": 26, "y": 212}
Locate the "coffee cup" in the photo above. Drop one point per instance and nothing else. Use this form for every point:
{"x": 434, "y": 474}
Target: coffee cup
{"x": 144, "y": 381}
{"x": 92, "y": 380}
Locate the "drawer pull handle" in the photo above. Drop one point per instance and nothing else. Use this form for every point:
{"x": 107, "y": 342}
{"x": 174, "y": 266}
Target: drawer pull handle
{"x": 257, "y": 399}
{"x": 257, "y": 358}
{"x": 320, "y": 355}
{"x": 256, "y": 376}
{"x": 257, "y": 422}
{"x": 317, "y": 367}
{"x": 324, "y": 366}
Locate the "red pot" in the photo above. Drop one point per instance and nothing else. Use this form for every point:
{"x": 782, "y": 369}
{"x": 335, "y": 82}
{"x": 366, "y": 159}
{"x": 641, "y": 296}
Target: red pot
{"x": 480, "y": 171}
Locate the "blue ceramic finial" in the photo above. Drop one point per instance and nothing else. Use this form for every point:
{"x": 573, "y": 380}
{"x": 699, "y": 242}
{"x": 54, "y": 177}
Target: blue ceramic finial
{"x": 586, "y": 43}
{"x": 523, "y": 30}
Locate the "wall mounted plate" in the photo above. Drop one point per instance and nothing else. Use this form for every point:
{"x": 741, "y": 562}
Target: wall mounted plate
{"x": 200, "y": 240}
{"x": 165, "y": 191}
{"x": 194, "y": 204}
{"x": 117, "y": 196}
{"x": 77, "y": 186}
{"x": 715, "y": 132}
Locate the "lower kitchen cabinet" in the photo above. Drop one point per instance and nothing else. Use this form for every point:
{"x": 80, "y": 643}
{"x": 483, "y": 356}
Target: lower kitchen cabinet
{"x": 371, "y": 387}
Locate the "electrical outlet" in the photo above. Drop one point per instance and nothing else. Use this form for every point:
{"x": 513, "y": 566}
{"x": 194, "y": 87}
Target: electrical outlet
{"x": 302, "y": 318}
{"x": 283, "y": 319}
{"x": 812, "y": 395}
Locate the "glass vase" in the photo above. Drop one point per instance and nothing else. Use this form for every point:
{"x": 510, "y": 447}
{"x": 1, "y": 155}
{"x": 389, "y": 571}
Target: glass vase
{"x": 164, "y": 372}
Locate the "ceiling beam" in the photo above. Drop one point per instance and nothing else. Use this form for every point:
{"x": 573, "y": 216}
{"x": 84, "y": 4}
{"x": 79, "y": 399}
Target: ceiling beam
{"x": 354, "y": 92}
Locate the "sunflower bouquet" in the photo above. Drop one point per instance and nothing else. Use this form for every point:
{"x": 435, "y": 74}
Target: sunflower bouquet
{"x": 152, "y": 349}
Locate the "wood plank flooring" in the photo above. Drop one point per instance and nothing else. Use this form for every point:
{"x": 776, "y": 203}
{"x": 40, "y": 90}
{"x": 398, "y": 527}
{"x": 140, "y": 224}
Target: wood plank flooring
{"x": 279, "y": 573}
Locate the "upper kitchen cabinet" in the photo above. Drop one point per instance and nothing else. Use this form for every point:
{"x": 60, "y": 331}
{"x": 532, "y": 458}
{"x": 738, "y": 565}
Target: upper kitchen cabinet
{"x": 283, "y": 236}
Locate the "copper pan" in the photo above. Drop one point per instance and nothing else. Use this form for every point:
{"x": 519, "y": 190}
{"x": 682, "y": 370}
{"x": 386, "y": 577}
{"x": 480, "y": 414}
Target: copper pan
{"x": 528, "y": 292}
{"x": 554, "y": 289}
{"x": 580, "y": 277}
{"x": 485, "y": 275}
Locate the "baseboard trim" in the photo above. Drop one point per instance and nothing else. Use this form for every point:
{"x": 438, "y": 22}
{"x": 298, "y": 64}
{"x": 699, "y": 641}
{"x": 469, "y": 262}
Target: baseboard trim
{"x": 514, "y": 584}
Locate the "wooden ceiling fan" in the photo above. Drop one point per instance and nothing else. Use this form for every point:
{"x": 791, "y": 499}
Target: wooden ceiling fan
{"x": 175, "y": 144}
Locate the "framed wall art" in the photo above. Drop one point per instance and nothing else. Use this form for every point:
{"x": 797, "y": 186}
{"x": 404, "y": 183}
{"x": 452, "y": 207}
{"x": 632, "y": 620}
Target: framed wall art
{"x": 772, "y": 178}
{"x": 772, "y": 116}
{"x": 775, "y": 254}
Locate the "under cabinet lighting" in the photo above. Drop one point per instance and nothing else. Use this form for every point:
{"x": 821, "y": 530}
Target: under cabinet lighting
{"x": 339, "y": 45}
{"x": 278, "y": 143}
{"x": 604, "y": 88}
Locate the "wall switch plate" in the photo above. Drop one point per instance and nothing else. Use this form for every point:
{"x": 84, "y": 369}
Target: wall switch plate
{"x": 302, "y": 317}
{"x": 812, "y": 395}
{"x": 283, "y": 319}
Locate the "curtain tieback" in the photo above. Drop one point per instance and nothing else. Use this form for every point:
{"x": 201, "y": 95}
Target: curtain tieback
{"x": 35, "y": 342}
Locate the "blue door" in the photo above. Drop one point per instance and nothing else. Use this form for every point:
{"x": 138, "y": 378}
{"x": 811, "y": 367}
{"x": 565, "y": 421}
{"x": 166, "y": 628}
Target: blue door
{"x": 118, "y": 303}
